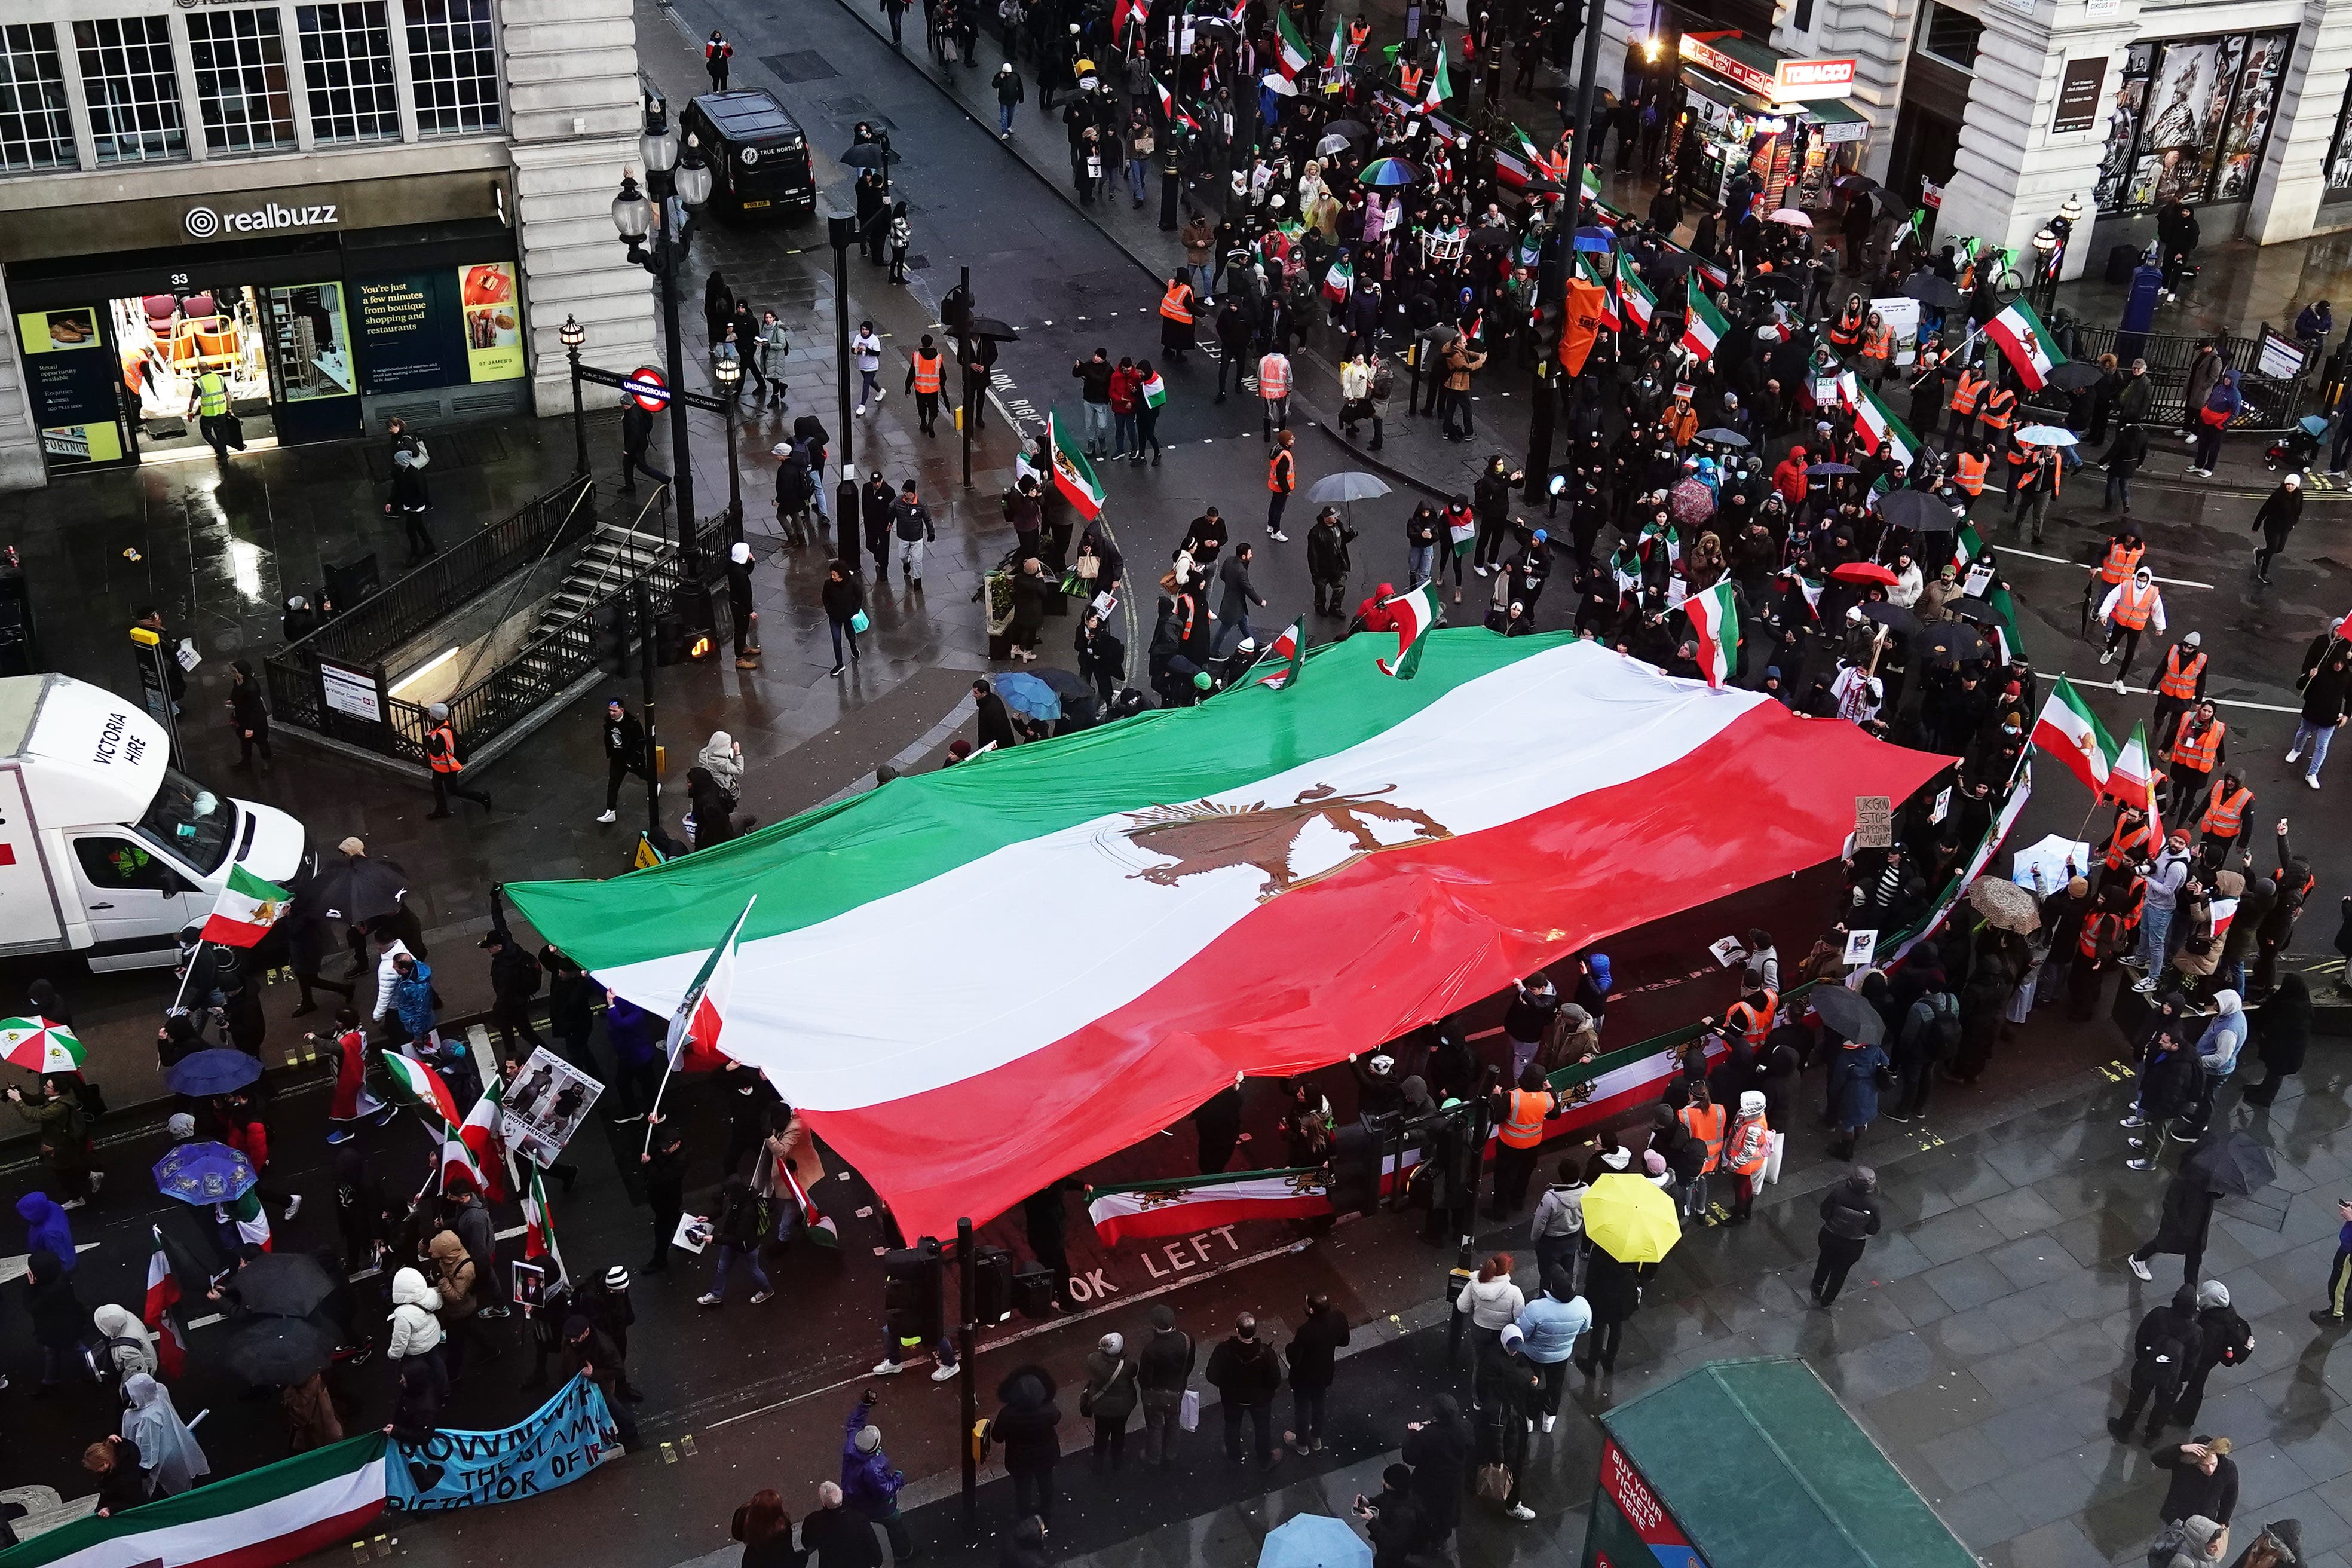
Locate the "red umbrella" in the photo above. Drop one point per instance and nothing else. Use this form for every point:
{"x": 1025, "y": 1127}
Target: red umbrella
{"x": 1863, "y": 572}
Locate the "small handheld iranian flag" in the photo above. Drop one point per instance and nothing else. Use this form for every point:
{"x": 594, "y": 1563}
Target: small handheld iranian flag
{"x": 423, "y": 1086}
{"x": 477, "y": 1139}
{"x": 246, "y": 908}
{"x": 1441, "y": 85}
{"x": 1283, "y": 661}
{"x": 1290, "y": 50}
{"x": 1171, "y": 110}
{"x": 1463, "y": 534}
{"x": 1415, "y": 614}
{"x": 1641, "y": 306}
{"x": 1155, "y": 392}
{"x": 1716, "y": 620}
{"x": 2068, "y": 731}
{"x": 1966, "y": 545}
{"x": 2133, "y": 777}
{"x": 1340, "y": 281}
{"x": 1703, "y": 324}
{"x": 1609, "y": 317}
{"x": 1072, "y": 475}
{"x": 2026, "y": 341}
{"x": 163, "y": 1298}
{"x": 701, "y": 1015}
{"x": 1878, "y": 429}
{"x": 1337, "y": 54}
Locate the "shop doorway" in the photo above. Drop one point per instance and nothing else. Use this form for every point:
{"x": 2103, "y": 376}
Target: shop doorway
{"x": 283, "y": 353}
{"x": 1926, "y": 147}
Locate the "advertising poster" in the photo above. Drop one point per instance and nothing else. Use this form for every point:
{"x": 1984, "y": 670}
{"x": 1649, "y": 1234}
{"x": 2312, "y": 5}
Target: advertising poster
{"x": 408, "y": 336}
{"x": 70, "y": 380}
{"x": 493, "y": 320}
{"x": 550, "y": 1100}
{"x": 2338, "y": 167}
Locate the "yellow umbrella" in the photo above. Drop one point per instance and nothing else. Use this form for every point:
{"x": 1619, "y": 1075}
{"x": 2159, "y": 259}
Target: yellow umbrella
{"x": 1631, "y": 1219}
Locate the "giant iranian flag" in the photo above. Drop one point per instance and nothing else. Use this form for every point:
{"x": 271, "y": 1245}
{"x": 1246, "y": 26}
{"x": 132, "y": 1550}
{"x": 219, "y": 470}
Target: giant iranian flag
{"x": 1260, "y": 884}
{"x": 257, "y": 1519}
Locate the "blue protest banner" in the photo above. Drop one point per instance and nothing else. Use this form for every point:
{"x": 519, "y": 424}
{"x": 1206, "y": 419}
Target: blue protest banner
{"x": 564, "y": 1439}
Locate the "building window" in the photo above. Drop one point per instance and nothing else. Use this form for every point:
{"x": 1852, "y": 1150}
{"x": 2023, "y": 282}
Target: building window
{"x": 453, "y": 60}
{"x": 2191, "y": 119}
{"x": 35, "y": 127}
{"x": 347, "y": 71}
{"x": 1803, "y": 22}
{"x": 133, "y": 90}
{"x": 241, "y": 93}
{"x": 2338, "y": 170}
{"x": 1950, "y": 36}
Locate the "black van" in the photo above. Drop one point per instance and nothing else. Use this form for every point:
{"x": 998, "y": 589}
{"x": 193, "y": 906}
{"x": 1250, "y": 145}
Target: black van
{"x": 758, "y": 160}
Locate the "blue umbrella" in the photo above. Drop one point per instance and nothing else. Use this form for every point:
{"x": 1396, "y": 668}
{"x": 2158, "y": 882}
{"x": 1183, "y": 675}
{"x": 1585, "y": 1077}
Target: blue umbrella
{"x": 1028, "y": 695}
{"x": 1389, "y": 172}
{"x": 216, "y": 1071}
{"x": 198, "y": 1173}
{"x": 1314, "y": 1541}
{"x": 1832, "y": 469}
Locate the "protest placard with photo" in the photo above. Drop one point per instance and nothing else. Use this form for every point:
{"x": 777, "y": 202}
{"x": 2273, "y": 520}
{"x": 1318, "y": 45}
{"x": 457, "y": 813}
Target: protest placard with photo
{"x": 549, "y": 1100}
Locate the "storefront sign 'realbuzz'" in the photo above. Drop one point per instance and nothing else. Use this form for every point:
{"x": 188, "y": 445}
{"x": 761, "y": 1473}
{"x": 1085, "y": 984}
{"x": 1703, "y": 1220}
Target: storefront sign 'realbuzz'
{"x": 204, "y": 222}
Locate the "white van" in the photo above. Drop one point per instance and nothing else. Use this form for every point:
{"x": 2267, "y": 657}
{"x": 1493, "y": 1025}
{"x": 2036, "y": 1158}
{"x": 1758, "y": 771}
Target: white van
{"x": 106, "y": 849}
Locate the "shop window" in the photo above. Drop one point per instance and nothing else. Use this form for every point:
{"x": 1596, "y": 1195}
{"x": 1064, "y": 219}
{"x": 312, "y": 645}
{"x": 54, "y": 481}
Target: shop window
{"x": 1951, "y": 36}
{"x": 35, "y": 127}
{"x": 2190, "y": 121}
{"x": 2337, "y": 187}
{"x": 347, "y": 71}
{"x": 453, "y": 60}
{"x": 241, "y": 93}
{"x": 133, "y": 88}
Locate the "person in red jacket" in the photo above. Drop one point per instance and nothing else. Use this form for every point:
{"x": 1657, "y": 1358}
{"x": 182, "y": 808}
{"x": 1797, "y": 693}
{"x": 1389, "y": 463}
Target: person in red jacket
{"x": 1124, "y": 393}
{"x": 1373, "y": 615}
{"x": 248, "y": 1134}
{"x": 1788, "y": 478}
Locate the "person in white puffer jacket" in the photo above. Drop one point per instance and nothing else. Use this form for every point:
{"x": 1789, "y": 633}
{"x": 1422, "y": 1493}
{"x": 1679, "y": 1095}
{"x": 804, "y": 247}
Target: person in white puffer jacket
{"x": 416, "y": 1330}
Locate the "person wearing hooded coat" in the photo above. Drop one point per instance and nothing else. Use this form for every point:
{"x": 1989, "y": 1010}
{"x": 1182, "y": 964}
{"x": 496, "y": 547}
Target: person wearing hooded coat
{"x": 1850, "y": 1217}
{"x": 2194, "y": 1543}
{"x": 57, "y": 1316}
{"x": 173, "y": 1460}
{"x": 2282, "y": 1034}
{"x": 2186, "y": 1222}
{"x": 714, "y": 813}
{"x": 126, "y": 1348}
{"x": 2164, "y": 1346}
{"x": 47, "y": 1229}
{"x": 2280, "y": 1545}
{"x": 2226, "y": 1340}
{"x": 1438, "y": 1450}
{"x": 1109, "y": 1398}
{"x": 1510, "y": 1398}
{"x": 1023, "y": 1425}
{"x": 1395, "y": 1521}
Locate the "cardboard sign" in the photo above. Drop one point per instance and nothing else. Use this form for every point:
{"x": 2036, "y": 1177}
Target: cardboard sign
{"x": 550, "y": 1100}
{"x": 1943, "y": 805}
{"x": 1860, "y": 947}
{"x": 1727, "y": 952}
{"x": 1874, "y": 822}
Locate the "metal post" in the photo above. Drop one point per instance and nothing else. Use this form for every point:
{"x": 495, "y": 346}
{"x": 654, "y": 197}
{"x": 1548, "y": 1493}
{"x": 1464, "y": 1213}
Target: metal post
{"x": 969, "y": 1390}
{"x": 1462, "y": 1261}
{"x": 734, "y": 470}
{"x": 579, "y": 415}
{"x": 645, "y": 661}
{"x": 841, "y": 328}
{"x": 1577, "y": 138}
{"x": 964, "y": 383}
{"x": 668, "y": 255}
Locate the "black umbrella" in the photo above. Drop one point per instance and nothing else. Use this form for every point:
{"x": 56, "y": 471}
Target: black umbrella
{"x": 990, "y": 327}
{"x": 1954, "y": 642}
{"x": 1930, "y": 289}
{"x": 1724, "y": 438}
{"x": 359, "y": 887}
{"x": 1079, "y": 703}
{"x": 2074, "y": 375}
{"x": 870, "y": 155}
{"x": 1670, "y": 264}
{"x": 1487, "y": 237}
{"x": 280, "y": 1351}
{"x": 1916, "y": 511}
{"x": 1891, "y": 615}
{"x": 2233, "y": 1163}
{"x": 282, "y": 1285}
{"x": 1351, "y": 128}
{"x": 1847, "y": 1013}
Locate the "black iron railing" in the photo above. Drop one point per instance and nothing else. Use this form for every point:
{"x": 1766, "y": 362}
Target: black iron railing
{"x": 2270, "y": 404}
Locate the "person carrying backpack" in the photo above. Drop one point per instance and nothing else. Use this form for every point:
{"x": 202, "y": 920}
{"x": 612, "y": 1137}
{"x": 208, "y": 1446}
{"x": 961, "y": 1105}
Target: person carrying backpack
{"x": 1930, "y": 1036}
{"x": 2226, "y": 1340}
{"x": 2167, "y": 1342}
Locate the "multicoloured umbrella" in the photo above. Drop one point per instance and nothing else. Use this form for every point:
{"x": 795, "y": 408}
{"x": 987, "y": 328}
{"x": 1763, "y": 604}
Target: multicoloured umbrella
{"x": 1389, "y": 172}
{"x": 201, "y": 1173}
{"x": 40, "y": 1045}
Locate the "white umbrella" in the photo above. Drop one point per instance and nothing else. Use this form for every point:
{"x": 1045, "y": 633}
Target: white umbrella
{"x": 1334, "y": 142}
{"x": 2049, "y": 858}
{"x": 2045, "y": 436}
{"x": 1792, "y": 218}
{"x": 1279, "y": 85}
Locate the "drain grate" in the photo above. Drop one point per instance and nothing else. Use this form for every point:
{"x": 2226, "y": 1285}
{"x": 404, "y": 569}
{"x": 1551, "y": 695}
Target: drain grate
{"x": 799, "y": 64}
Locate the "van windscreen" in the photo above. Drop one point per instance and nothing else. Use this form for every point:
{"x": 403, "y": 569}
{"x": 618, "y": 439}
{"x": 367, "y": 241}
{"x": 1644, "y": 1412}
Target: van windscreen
{"x": 190, "y": 821}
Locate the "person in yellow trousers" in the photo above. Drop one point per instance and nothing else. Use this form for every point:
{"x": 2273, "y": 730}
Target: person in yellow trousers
{"x": 1746, "y": 1150}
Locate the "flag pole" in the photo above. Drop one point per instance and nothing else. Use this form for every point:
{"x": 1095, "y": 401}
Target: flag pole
{"x": 675, "y": 1045}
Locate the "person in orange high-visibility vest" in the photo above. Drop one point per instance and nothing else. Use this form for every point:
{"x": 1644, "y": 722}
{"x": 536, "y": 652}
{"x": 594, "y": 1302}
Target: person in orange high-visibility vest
{"x": 1519, "y": 1117}
{"x": 1744, "y": 1149}
{"x": 1752, "y": 1016}
{"x": 1966, "y": 393}
{"x": 2223, "y": 823}
{"x": 1281, "y": 479}
{"x": 2196, "y": 753}
{"x": 1845, "y": 332}
{"x": 1176, "y": 309}
{"x": 923, "y": 369}
{"x": 441, "y": 755}
{"x": 1877, "y": 350}
{"x": 1704, "y": 1120}
{"x": 1997, "y": 413}
{"x": 2129, "y": 609}
{"x": 2126, "y": 551}
{"x": 1969, "y": 470}
{"x": 2179, "y": 682}
{"x": 2131, "y": 842}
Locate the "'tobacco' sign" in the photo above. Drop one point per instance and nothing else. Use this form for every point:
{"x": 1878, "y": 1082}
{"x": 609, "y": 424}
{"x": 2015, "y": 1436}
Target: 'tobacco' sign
{"x": 1793, "y": 80}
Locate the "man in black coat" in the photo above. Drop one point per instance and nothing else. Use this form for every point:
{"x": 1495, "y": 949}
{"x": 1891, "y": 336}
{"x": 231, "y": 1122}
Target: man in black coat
{"x": 637, "y": 434}
{"x": 2274, "y": 520}
{"x": 2204, "y": 1480}
{"x": 1395, "y": 1521}
{"x": 2325, "y": 682}
{"x": 625, "y": 753}
{"x": 2165, "y": 1345}
{"x": 995, "y": 722}
{"x": 1849, "y": 1218}
{"x": 1438, "y": 1450}
{"x": 1218, "y": 1122}
{"x": 2226, "y": 1340}
{"x": 1314, "y": 1353}
{"x": 841, "y": 1537}
{"x": 1247, "y": 1372}
{"x": 2187, "y": 1219}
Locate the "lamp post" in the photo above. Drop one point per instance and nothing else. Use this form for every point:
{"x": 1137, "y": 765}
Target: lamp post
{"x": 2045, "y": 250}
{"x": 841, "y": 230}
{"x": 659, "y": 246}
{"x": 2061, "y": 228}
{"x": 572, "y": 334}
{"x": 730, "y": 374}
